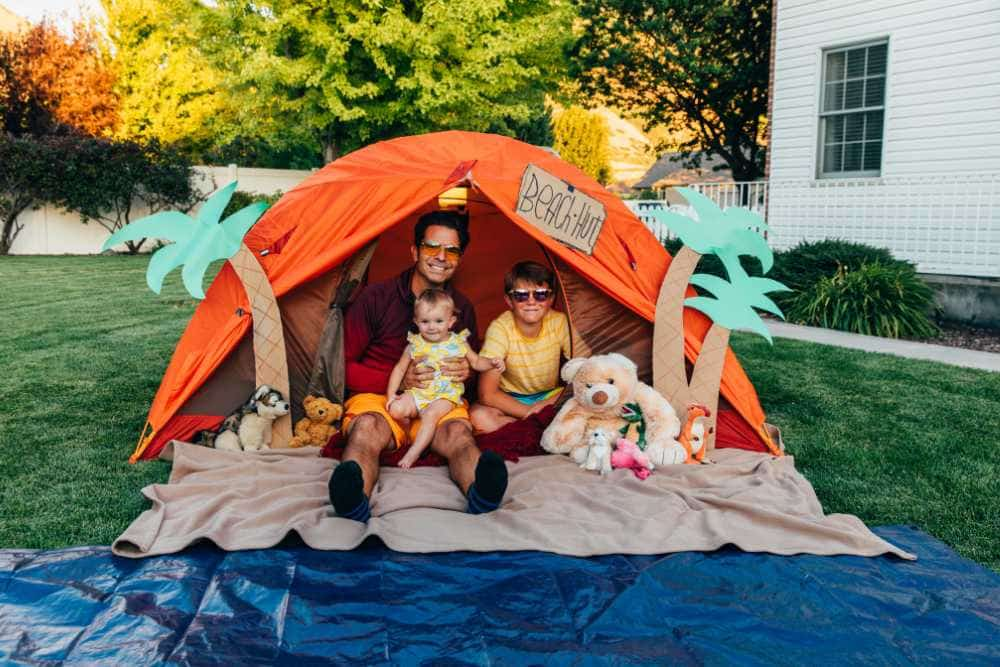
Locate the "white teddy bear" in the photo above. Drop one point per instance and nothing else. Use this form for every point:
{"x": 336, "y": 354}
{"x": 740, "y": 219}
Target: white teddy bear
{"x": 606, "y": 389}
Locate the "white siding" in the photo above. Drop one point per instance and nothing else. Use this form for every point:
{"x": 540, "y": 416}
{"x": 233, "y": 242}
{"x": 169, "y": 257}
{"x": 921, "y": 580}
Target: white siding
{"x": 937, "y": 200}
{"x": 943, "y": 94}
{"x": 50, "y": 231}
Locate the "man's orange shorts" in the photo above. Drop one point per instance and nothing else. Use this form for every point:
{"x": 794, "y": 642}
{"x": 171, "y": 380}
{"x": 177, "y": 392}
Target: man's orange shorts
{"x": 362, "y": 403}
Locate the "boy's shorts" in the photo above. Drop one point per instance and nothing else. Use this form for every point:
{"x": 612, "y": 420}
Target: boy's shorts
{"x": 362, "y": 403}
{"x": 531, "y": 399}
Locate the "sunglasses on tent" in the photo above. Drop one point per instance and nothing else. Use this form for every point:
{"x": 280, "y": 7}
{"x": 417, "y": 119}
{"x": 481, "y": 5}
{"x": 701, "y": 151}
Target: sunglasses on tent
{"x": 522, "y": 295}
{"x": 432, "y": 249}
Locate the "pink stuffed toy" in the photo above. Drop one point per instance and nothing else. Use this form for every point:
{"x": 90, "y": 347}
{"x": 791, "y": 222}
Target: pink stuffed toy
{"x": 628, "y": 455}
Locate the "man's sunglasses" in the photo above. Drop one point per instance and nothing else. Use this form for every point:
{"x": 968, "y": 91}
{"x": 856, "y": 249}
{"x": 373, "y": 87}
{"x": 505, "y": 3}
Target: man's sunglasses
{"x": 522, "y": 295}
{"x": 433, "y": 249}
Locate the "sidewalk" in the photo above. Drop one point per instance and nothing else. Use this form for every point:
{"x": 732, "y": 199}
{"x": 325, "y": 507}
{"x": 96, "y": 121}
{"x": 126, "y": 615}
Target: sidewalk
{"x": 954, "y": 356}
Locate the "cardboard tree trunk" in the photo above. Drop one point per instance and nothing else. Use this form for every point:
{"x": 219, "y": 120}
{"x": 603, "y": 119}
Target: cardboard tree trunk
{"x": 270, "y": 357}
{"x": 669, "y": 367}
{"x": 706, "y": 378}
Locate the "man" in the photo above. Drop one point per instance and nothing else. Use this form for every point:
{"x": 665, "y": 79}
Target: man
{"x": 375, "y": 328}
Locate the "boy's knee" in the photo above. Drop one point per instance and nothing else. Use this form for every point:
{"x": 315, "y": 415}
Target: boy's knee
{"x": 486, "y": 419}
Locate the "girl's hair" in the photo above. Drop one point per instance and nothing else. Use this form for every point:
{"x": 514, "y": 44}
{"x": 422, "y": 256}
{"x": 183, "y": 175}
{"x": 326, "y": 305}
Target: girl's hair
{"x": 432, "y": 297}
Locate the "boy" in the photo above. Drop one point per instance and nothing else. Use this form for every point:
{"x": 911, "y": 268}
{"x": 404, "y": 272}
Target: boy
{"x": 530, "y": 337}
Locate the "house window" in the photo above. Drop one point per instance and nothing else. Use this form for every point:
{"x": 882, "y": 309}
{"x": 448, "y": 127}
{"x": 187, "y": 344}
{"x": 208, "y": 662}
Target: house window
{"x": 852, "y": 110}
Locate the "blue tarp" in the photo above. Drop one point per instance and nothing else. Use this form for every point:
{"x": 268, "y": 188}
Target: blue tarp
{"x": 298, "y": 606}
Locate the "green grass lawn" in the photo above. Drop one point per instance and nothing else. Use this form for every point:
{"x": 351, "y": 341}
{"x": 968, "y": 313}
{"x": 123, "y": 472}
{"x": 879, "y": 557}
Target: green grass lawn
{"x": 84, "y": 343}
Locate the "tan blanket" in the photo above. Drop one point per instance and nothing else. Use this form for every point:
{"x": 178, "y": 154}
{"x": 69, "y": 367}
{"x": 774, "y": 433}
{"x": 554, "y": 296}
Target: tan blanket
{"x": 252, "y": 501}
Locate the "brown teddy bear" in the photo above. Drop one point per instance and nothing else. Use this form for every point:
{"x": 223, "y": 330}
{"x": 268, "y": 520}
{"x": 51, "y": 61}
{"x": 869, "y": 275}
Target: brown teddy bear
{"x": 607, "y": 394}
{"x": 316, "y": 428}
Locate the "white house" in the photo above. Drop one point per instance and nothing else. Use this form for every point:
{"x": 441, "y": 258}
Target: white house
{"x": 886, "y": 129}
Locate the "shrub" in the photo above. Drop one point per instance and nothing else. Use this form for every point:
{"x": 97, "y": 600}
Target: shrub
{"x": 243, "y": 199}
{"x": 712, "y": 265}
{"x": 802, "y": 267}
{"x": 105, "y": 180}
{"x": 875, "y": 299}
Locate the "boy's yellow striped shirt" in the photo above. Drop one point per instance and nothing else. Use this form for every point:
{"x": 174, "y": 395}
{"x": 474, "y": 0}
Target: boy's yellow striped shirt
{"x": 532, "y": 363}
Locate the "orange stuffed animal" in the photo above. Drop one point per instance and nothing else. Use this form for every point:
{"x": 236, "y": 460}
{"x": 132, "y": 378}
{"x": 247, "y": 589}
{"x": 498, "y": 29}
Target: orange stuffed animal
{"x": 695, "y": 432}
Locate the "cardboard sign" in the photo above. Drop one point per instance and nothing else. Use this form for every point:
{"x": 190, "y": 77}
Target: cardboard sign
{"x": 560, "y": 210}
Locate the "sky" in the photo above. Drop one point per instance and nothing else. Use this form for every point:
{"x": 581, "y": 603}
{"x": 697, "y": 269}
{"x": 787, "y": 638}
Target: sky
{"x": 34, "y": 10}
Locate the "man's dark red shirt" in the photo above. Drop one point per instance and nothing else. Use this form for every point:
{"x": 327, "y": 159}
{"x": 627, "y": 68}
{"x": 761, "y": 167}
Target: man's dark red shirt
{"x": 375, "y": 328}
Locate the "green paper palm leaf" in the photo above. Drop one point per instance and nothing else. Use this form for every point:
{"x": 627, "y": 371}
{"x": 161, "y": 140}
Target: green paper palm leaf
{"x": 735, "y": 300}
{"x": 728, "y": 233}
{"x": 197, "y": 242}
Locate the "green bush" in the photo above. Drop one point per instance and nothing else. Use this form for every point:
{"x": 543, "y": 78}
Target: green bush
{"x": 711, "y": 264}
{"x": 801, "y": 267}
{"x": 876, "y": 299}
{"x": 243, "y": 199}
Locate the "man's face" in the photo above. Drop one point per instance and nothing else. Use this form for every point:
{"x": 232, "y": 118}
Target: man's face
{"x": 524, "y": 303}
{"x": 438, "y": 255}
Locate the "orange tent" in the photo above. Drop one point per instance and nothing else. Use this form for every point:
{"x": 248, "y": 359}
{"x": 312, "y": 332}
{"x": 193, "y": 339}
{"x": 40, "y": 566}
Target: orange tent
{"x": 378, "y": 192}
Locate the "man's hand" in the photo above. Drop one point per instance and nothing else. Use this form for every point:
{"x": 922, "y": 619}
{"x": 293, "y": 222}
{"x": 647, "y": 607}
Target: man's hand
{"x": 417, "y": 375}
{"x": 456, "y": 368}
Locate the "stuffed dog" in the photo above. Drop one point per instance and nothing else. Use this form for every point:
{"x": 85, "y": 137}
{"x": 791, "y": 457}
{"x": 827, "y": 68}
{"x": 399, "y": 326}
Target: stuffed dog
{"x": 598, "y": 451}
{"x": 254, "y": 430}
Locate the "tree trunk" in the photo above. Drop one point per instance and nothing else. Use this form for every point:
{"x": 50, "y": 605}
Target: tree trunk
{"x": 329, "y": 152}
{"x": 669, "y": 371}
{"x": 706, "y": 379}
{"x": 134, "y": 246}
{"x": 270, "y": 357}
{"x": 10, "y": 231}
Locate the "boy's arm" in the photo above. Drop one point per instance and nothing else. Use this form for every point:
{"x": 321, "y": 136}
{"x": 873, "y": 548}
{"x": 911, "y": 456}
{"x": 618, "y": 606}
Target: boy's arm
{"x": 490, "y": 394}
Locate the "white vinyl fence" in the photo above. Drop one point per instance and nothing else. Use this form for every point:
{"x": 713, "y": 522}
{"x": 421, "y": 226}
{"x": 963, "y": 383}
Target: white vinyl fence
{"x": 50, "y": 231}
{"x": 944, "y": 224}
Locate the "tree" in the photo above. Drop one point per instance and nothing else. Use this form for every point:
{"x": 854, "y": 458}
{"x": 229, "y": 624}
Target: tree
{"x": 28, "y": 169}
{"x": 169, "y": 90}
{"x": 337, "y": 75}
{"x": 699, "y": 66}
{"x": 581, "y": 138}
{"x": 50, "y": 83}
{"x": 107, "y": 180}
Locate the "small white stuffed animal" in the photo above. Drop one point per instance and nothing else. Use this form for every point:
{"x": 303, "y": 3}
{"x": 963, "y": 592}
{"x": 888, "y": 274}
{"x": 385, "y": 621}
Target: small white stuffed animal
{"x": 598, "y": 451}
{"x": 254, "y": 431}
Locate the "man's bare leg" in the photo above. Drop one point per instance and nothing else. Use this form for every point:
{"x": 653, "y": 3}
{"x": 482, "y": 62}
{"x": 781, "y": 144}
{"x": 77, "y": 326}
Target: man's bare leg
{"x": 353, "y": 480}
{"x": 482, "y": 476}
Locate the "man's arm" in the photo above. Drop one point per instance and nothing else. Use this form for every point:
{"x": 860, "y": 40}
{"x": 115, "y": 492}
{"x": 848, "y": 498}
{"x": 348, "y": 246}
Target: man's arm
{"x": 358, "y": 327}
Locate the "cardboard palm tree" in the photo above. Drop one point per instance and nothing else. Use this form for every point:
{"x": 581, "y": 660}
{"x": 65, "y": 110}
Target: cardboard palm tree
{"x": 728, "y": 235}
{"x": 197, "y": 242}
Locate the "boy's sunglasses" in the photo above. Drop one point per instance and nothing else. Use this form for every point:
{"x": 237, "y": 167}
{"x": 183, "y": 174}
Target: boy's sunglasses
{"x": 432, "y": 249}
{"x": 522, "y": 295}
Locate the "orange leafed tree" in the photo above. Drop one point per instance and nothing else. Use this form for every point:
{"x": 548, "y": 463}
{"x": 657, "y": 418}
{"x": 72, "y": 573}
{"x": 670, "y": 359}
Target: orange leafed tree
{"x": 49, "y": 80}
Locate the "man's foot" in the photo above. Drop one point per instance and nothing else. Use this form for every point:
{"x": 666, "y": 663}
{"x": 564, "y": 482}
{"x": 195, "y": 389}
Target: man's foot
{"x": 486, "y": 493}
{"x": 347, "y": 492}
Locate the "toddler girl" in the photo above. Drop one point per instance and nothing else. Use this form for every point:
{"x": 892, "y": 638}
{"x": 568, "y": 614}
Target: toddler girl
{"x": 434, "y": 315}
